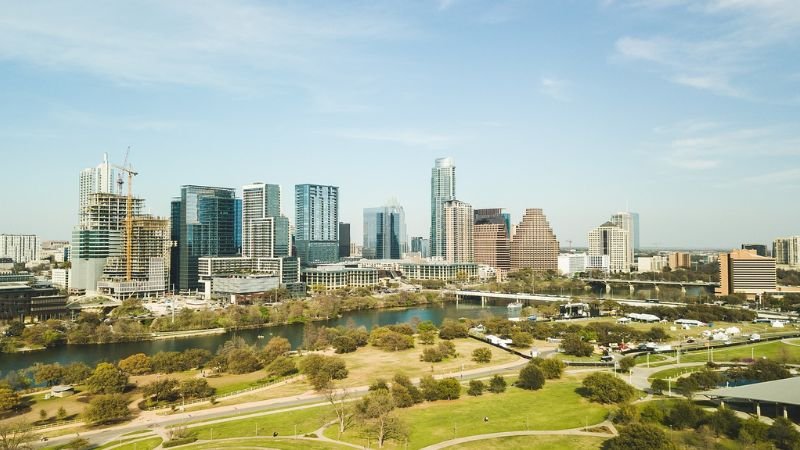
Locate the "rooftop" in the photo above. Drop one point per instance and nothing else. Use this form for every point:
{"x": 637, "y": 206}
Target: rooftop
{"x": 785, "y": 391}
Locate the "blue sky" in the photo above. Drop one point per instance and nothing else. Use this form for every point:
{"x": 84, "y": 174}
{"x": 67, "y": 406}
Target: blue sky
{"x": 687, "y": 111}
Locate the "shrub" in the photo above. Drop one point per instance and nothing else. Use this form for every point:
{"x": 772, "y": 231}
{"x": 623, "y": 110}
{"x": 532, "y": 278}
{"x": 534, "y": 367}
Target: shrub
{"x": 106, "y": 409}
{"x": 685, "y": 414}
{"x": 627, "y": 363}
{"x": 551, "y": 368}
{"x": 497, "y": 384}
{"x": 530, "y": 377}
{"x": 449, "y": 389}
{"x": 429, "y": 388}
{"x": 625, "y": 414}
{"x": 447, "y": 349}
{"x": 427, "y": 337}
{"x": 476, "y": 388}
{"x": 281, "y": 367}
{"x": 320, "y": 370}
{"x": 784, "y": 435}
{"x": 452, "y": 330}
{"x": 431, "y": 354}
{"x": 658, "y": 386}
{"x": 387, "y": 339}
{"x": 138, "y": 364}
{"x": 344, "y": 344}
{"x": 521, "y": 339}
{"x": 725, "y": 422}
{"x": 572, "y": 344}
{"x": 639, "y": 436}
{"x": 482, "y": 355}
{"x": 603, "y": 387}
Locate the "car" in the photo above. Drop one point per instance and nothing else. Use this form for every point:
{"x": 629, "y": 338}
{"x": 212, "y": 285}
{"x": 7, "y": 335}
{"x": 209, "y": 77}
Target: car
{"x": 690, "y": 341}
{"x": 607, "y": 358}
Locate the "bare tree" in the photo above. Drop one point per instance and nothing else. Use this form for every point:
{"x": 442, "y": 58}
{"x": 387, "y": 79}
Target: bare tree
{"x": 339, "y": 401}
{"x": 16, "y": 436}
{"x": 376, "y": 410}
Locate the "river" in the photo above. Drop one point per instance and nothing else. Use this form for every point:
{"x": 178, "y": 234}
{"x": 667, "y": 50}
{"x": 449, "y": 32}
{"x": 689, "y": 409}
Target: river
{"x": 95, "y": 353}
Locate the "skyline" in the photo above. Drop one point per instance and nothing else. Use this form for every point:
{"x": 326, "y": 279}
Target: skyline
{"x": 685, "y": 111}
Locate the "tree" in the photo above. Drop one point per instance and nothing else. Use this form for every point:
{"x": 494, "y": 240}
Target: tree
{"x": 725, "y": 422}
{"x": 341, "y": 407}
{"x": 138, "y": 364}
{"x": 602, "y": 387}
{"x": 447, "y": 349}
{"x": 449, "y": 389}
{"x": 106, "y": 409}
{"x": 521, "y": 339}
{"x": 344, "y": 344}
{"x": 281, "y": 367}
{"x": 161, "y": 390}
{"x": 194, "y": 358}
{"x": 638, "y": 436}
{"x": 452, "y": 330}
{"x": 658, "y": 386}
{"x": 242, "y": 360}
{"x": 784, "y": 435}
{"x": 321, "y": 370}
{"x": 390, "y": 340}
{"x": 61, "y": 414}
{"x": 76, "y": 373}
{"x": 16, "y": 436}
{"x": 78, "y": 443}
{"x": 497, "y": 384}
{"x": 49, "y": 374}
{"x": 107, "y": 379}
{"x": 380, "y": 383}
{"x": 625, "y": 414}
{"x": 427, "y": 337}
{"x": 551, "y": 368}
{"x": 42, "y": 415}
{"x": 195, "y": 388}
{"x": 685, "y": 414}
{"x": 572, "y": 344}
{"x": 482, "y": 355}
{"x": 277, "y": 346}
{"x": 167, "y": 362}
{"x": 476, "y": 388}
{"x": 15, "y": 328}
{"x": 375, "y": 409}
{"x": 626, "y": 364}
{"x": 531, "y": 377}
{"x": 9, "y": 400}
{"x": 429, "y": 388}
{"x": 431, "y": 354}
{"x": 404, "y": 393}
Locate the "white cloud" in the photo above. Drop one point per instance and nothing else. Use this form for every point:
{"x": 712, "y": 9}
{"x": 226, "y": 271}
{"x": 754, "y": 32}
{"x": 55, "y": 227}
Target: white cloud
{"x": 554, "y": 88}
{"x": 774, "y": 178}
{"x": 735, "y": 35}
{"x": 238, "y": 45}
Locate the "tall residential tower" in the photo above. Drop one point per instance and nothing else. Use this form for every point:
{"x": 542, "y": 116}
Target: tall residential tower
{"x": 317, "y": 223}
{"x": 443, "y": 189}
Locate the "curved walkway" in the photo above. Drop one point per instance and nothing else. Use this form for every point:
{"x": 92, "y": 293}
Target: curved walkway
{"x": 570, "y": 432}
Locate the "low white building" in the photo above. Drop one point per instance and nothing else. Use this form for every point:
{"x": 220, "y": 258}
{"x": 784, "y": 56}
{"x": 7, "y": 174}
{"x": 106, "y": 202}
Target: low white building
{"x": 60, "y": 278}
{"x": 570, "y": 264}
{"x": 647, "y": 264}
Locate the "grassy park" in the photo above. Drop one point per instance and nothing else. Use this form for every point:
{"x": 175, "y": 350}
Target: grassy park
{"x": 775, "y": 350}
{"x": 266, "y": 443}
{"x": 537, "y": 442}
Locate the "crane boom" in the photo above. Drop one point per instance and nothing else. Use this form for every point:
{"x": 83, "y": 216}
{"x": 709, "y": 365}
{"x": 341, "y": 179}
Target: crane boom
{"x": 128, "y": 169}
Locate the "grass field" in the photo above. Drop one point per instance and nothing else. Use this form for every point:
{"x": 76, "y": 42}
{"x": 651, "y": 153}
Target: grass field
{"x": 267, "y": 443}
{"x": 775, "y": 350}
{"x": 674, "y": 372}
{"x": 147, "y": 444}
{"x": 370, "y": 363}
{"x": 537, "y": 442}
{"x": 557, "y": 406}
{"x": 306, "y": 420}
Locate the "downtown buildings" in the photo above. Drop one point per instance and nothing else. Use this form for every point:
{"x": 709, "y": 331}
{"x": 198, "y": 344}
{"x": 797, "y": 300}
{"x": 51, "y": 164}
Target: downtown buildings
{"x": 443, "y": 189}
{"x": 786, "y": 251}
{"x": 492, "y": 238}
{"x": 317, "y": 223}
{"x": 612, "y": 241}
{"x": 745, "y": 272}
{"x": 533, "y": 243}
{"x": 21, "y": 248}
{"x": 385, "y": 232}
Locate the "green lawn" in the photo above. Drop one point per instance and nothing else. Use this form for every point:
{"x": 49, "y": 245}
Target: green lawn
{"x": 555, "y": 407}
{"x": 775, "y": 350}
{"x": 674, "y": 372}
{"x": 641, "y": 360}
{"x": 306, "y": 420}
{"x": 271, "y": 443}
{"x": 537, "y": 442}
{"x": 148, "y": 444}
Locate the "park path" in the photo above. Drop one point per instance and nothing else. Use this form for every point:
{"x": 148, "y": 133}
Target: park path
{"x": 571, "y": 432}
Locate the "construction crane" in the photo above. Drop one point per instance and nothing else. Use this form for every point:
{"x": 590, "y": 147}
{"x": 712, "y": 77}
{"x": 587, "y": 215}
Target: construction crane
{"x": 128, "y": 169}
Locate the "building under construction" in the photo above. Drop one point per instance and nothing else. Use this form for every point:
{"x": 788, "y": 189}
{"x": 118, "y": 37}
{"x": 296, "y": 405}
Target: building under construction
{"x": 149, "y": 261}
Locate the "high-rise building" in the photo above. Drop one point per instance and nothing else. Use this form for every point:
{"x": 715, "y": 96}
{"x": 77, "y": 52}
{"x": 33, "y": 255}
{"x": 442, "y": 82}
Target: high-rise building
{"x": 19, "y": 247}
{"x": 385, "y": 232}
{"x": 422, "y": 246}
{"x": 237, "y": 225}
{"x": 457, "y": 218}
{"x": 100, "y": 236}
{"x": 265, "y": 233}
{"x": 761, "y": 249}
{"x": 344, "y": 240}
{"x": 629, "y": 221}
{"x": 491, "y": 234}
{"x": 206, "y": 222}
{"x": 744, "y": 272}
{"x": 679, "y": 260}
{"x": 533, "y": 244}
{"x": 94, "y": 180}
{"x": 612, "y": 241}
{"x": 317, "y": 223}
{"x": 786, "y": 251}
{"x": 150, "y": 261}
{"x": 443, "y": 189}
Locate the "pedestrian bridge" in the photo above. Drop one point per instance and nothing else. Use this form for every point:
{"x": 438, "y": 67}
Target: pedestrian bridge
{"x": 519, "y": 297}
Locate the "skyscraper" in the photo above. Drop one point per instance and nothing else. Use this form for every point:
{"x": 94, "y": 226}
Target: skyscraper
{"x": 317, "y": 223}
{"x": 491, "y": 238}
{"x": 744, "y": 272}
{"x": 533, "y": 244}
{"x": 786, "y": 251}
{"x": 443, "y": 189}
{"x": 611, "y": 240}
{"x": 385, "y": 232}
{"x": 206, "y": 222}
{"x": 344, "y": 240}
{"x": 19, "y": 247}
{"x": 629, "y": 221}
{"x": 421, "y": 245}
{"x": 265, "y": 233}
{"x": 93, "y": 180}
{"x": 457, "y": 218}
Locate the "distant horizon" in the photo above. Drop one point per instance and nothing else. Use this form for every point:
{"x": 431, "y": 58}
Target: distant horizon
{"x": 582, "y": 109}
